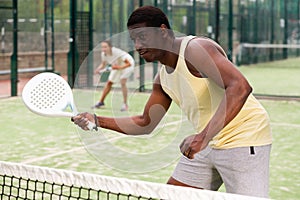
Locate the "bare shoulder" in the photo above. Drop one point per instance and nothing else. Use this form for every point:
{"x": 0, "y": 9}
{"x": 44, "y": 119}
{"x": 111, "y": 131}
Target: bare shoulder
{"x": 208, "y": 45}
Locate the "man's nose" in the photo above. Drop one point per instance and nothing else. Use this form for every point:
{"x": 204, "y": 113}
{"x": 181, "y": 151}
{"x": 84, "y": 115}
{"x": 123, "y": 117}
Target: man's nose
{"x": 137, "y": 44}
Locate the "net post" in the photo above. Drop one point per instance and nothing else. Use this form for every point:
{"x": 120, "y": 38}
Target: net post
{"x": 285, "y": 13}
{"x": 52, "y": 37}
{"x": 72, "y": 44}
{"x": 230, "y": 27}
{"x": 14, "y": 56}
{"x": 91, "y": 56}
{"x": 46, "y": 33}
{"x": 271, "y": 55}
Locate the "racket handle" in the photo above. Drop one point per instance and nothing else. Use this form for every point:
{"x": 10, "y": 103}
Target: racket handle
{"x": 92, "y": 126}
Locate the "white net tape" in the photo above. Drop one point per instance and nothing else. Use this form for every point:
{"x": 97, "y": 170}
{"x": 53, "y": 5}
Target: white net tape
{"x": 109, "y": 184}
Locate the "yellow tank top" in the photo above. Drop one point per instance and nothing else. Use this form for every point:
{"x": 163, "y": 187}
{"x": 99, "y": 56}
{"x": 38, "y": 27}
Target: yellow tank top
{"x": 199, "y": 99}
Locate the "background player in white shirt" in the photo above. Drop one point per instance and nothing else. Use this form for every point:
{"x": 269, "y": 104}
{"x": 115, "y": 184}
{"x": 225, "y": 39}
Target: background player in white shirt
{"x": 121, "y": 64}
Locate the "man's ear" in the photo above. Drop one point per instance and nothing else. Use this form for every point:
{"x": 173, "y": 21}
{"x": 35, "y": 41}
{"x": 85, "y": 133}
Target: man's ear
{"x": 164, "y": 30}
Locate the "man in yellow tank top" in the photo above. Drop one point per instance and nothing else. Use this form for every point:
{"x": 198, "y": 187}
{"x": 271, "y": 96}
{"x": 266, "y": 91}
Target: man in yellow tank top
{"x": 232, "y": 139}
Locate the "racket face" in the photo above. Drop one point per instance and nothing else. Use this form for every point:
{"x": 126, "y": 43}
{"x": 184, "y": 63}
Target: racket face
{"x": 48, "y": 94}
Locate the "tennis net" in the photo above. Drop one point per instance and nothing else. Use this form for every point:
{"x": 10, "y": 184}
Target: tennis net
{"x": 19, "y": 181}
{"x": 248, "y": 53}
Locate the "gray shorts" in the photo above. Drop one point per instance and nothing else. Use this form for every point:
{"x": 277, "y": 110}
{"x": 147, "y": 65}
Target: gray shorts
{"x": 244, "y": 170}
{"x": 117, "y": 75}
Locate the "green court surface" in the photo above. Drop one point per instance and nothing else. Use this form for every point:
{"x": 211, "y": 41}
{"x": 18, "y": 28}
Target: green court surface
{"x": 274, "y": 78}
{"x": 55, "y": 142}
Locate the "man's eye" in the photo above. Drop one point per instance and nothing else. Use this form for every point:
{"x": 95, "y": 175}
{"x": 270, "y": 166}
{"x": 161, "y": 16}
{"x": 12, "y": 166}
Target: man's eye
{"x": 142, "y": 37}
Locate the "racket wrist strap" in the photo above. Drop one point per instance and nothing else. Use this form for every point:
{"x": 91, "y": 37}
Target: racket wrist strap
{"x": 96, "y": 122}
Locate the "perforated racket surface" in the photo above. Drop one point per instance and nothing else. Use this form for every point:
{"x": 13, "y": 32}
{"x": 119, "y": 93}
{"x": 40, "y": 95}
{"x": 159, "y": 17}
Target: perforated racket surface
{"x": 48, "y": 94}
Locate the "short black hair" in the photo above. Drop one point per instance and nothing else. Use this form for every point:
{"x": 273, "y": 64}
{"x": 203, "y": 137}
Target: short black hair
{"x": 152, "y": 16}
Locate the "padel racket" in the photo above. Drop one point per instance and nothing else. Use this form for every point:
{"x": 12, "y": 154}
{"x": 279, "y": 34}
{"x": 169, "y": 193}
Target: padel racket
{"x": 48, "y": 94}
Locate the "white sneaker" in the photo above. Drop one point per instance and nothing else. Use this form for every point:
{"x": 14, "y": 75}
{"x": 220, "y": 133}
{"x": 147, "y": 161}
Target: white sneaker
{"x": 124, "y": 107}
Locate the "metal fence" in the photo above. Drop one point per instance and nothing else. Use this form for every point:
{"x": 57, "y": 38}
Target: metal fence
{"x": 46, "y": 26}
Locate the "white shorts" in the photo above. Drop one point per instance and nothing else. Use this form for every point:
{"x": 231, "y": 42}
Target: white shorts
{"x": 117, "y": 75}
{"x": 244, "y": 170}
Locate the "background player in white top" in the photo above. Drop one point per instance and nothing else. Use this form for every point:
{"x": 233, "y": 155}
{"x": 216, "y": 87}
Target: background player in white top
{"x": 122, "y": 66}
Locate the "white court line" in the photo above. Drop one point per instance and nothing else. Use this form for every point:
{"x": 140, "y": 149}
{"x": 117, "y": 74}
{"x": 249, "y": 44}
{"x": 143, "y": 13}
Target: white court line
{"x": 50, "y": 155}
{"x": 121, "y": 136}
{"x": 286, "y": 124}
{"x": 29, "y": 161}
{"x": 171, "y": 123}
{"x": 64, "y": 152}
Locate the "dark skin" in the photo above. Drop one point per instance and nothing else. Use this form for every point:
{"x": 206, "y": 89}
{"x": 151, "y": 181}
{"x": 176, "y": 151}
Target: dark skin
{"x": 204, "y": 59}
